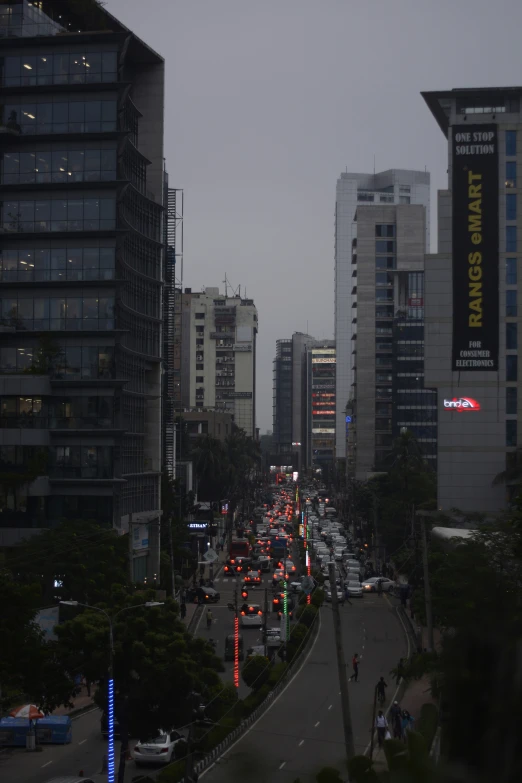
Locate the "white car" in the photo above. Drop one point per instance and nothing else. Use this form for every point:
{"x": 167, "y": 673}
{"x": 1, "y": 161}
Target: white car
{"x": 354, "y": 589}
{"x": 372, "y": 585}
{"x": 340, "y": 595}
{"x": 157, "y": 751}
{"x": 251, "y": 616}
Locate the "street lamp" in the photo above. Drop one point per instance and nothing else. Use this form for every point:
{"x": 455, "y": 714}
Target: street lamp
{"x": 110, "y": 683}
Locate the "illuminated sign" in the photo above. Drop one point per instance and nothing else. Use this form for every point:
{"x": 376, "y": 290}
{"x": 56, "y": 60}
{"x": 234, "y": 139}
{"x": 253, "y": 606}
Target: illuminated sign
{"x": 322, "y": 410}
{"x": 318, "y": 430}
{"x": 348, "y": 419}
{"x": 462, "y": 404}
{"x": 330, "y": 360}
{"x": 296, "y": 443}
{"x": 295, "y": 475}
{"x": 323, "y": 350}
{"x": 197, "y": 525}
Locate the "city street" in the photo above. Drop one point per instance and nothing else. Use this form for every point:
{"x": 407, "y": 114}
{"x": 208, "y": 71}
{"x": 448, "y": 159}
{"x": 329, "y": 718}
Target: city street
{"x": 302, "y": 731}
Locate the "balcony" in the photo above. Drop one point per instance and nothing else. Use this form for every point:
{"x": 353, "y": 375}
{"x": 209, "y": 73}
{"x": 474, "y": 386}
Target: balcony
{"x": 224, "y": 310}
{"x": 229, "y": 335}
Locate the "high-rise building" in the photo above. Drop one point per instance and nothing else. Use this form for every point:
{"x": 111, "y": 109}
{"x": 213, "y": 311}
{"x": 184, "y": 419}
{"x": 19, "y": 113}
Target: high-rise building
{"x": 219, "y": 355}
{"x": 388, "y": 343}
{"x": 82, "y": 245}
{"x": 472, "y": 316}
{"x": 289, "y": 395}
{"x": 320, "y": 403}
{"x": 395, "y": 186}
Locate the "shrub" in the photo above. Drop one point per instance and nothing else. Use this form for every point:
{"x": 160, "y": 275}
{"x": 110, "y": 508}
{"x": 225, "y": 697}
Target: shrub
{"x": 253, "y": 701}
{"x": 277, "y": 673}
{"x": 428, "y": 722}
{"x": 256, "y": 671}
{"x": 217, "y": 734}
{"x": 297, "y": 636}
{"x": 329, "y": 775}
{"x": 306, "y": 614}
{"x": 318, "y": 597}
{"x": 180, "y": 750}
{"x": 171, "y": 774}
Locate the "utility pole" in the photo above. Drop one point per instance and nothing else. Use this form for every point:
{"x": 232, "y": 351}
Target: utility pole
{"x": 341, "y": 667}
{"x": 427, "y": 588}
{"x": 376, "y": 534}
{"x": 373, "y": 723}
{"x": 265, "y": 619}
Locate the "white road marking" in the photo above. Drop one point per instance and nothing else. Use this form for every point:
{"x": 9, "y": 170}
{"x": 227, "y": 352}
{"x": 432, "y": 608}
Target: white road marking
{"x": 46, "y": 764}
{"x": 282, "y": 765}
{"x": 301, "y": 743}
{"x": 330, "y": 707}
{"x": 82, "y": 741}
{"x": 317, "y": 724}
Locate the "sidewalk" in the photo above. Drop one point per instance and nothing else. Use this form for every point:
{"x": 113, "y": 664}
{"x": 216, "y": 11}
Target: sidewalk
{"x": 80, "y": 702}
{"x": 217, "y": 567}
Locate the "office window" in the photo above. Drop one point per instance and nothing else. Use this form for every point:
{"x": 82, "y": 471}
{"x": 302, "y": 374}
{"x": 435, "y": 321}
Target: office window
{"x": 365, "y": 197}
{"x": 74, "y": 117}
{"x": 200, "y": 315}
{"x": 58, "y": 166}
{"x": 385, "y": 262}
{"x": 511, "y": 368}
{"x": 511, "y": 303}
{"x": 38, "y": 264}
{"x": 511, "y": 271}
{"x": 383, "y": 246}
{"x": 200, "y": 379}
{"x": 511, "y": 432}
{"x": 404, "y": 200}
{"x": 511, "y": 239}
{"x": 511, "y": 206}
{"x": 511, "y": 142}
{"x": 385, "y": 230}
{"x": 60, "y": 68}
{"x": 80, "y": 214}
{"x": 199, "y": 366}
{"x": 511, "y": 174}
{"x": 511, "y": 336}
{"x": 511, "y": 399}
{"x": 383, "y": 279}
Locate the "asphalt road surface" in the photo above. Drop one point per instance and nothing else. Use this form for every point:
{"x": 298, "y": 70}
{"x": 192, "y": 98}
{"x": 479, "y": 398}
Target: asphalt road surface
{"x": 302, "y": 731}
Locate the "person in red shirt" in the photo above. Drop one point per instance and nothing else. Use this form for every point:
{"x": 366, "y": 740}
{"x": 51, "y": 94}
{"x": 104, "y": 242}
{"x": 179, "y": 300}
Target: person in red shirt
{"x": 355, "y": 667}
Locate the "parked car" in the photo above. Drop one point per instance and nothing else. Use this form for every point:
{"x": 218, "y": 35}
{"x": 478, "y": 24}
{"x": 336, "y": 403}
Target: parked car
{"x": 157, "y": 751}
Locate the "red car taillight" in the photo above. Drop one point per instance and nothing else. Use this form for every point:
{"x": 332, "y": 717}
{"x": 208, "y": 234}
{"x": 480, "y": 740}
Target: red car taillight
{"x": 164, "y": 750}
{"x": 260, "y": 612}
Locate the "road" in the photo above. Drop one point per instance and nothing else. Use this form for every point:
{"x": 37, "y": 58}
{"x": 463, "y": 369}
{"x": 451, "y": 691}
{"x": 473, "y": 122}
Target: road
{"x": 302, "y": 730}
{"x": 223, "y": 624}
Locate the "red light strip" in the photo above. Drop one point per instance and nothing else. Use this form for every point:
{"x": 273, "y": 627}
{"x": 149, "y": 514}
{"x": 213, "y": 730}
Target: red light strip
{"x": 236, "y": 652}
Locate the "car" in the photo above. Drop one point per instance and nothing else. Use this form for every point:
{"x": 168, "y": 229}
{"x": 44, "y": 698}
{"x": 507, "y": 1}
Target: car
{"x": 209, "y": 595}
{"x": 252, "y": 579}
{"x": 289, "y": 567}
{"x": 157, "y": 751}
{"x": 353, "y": 589}
{"x": 371, "y": 585}
{"x": 264, "y": 562}
{"x": 340, "y": 594}
{"x": 279, "y": 575}
{"x": 278, "y": 602}
{"x": 251, "y": 616}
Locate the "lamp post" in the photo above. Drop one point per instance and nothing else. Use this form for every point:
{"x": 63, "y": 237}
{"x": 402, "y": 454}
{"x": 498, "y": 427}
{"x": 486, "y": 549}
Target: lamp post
{"x": 110, "y": 683}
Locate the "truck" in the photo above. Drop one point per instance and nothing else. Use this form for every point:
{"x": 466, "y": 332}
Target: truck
{"x": 240, "y": 548}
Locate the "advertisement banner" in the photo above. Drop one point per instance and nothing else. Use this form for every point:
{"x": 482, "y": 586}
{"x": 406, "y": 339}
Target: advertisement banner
{"x": 475, "y": 248}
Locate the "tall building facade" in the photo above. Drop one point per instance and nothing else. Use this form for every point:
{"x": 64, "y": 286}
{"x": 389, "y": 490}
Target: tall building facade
{"x": 289, "y": 396}
{"x": 320, "y": 398}
{"x": 82, "y": 188}
{"x": 472, "y": 317}
{"x": 392, "y": 187}
{"x": 219, "y": 355}
{"x": 388, "y": 340}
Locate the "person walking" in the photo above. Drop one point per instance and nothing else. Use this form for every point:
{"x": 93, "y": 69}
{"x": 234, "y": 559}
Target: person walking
{"x": 209, "y": 618}
{"x": 381, "y": 690}
{"x": 396, "y": 720}
{"x": 381, "y": 724}
{"x": 400, "y": 670}
{"x": 379, "y": 587}
{"x": 407, "y": 723}
{"x": 183, "y": 610}
{"x": 355, "y": 667}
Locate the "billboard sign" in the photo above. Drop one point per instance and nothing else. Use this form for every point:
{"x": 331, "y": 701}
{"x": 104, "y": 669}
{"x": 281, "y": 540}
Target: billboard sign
{"x": 462, "y": 404}
{"x": 475, "y": 248}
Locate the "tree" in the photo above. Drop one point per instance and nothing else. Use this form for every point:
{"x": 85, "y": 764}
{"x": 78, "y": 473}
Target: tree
{"x": 256, "y": 671}
{"x": 76, "y": 560}
{"x": 157, "y": 663}
{"x": 29, "y": 667}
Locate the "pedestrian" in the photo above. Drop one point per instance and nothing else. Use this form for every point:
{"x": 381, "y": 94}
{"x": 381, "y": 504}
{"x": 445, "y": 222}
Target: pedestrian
{"x": 379, "y": 587}
{"x": 396, "y": 719}
{"x": 183, "y": 610}
{"x": 407, "y": 723}
{"x": 209, "y": 618}
{"x": 355, "y": 667}
{"x": 381, "y": 690}
{"x": 400, "y": 670}
{"x": 381, "y": 724}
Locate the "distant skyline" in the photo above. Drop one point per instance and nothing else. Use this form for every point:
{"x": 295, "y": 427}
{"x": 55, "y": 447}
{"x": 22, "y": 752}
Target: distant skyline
{"x": 267, "y": 103}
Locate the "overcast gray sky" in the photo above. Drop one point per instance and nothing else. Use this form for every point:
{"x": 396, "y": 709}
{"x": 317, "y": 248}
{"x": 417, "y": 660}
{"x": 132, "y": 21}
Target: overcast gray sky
{"x": 267, "y": 101}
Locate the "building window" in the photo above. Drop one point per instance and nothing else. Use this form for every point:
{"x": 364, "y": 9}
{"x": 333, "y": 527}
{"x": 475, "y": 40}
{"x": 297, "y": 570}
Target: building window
{"x": 90, "y": 312}
{"x": 200, "y": 329}
{"x": 511, "y": 271}
{"x": 63, "y": 166}
{"x": 511, "y": 174}
{"x": 511, "y": 142}
{"x": 60, "y": 68}
{"x": 511, "y": 432}
{"x": 200, "y": 315}
{"x": 511, "y": 303}
{"x": 385, "y": 230}
{"x": 511, "y": 239}
{"x": 382, "y": 246}
{"x": 200, "y": 379}
{"x": 74, "y": 117}
{"x": 385, "y": 262}
{"x": 511, "y": 399}
{"x": 404, "y": 200}
{"x": 200, "y": 340}
{"x": 365, "y": 197}
{"x": 80, "y": 214}
{"x": 511, "y": 368}
{"x": 37, "y": 264}
{"x": 199, "y": 366}
{"x": 511, "y": 206}
{"x": 511, "y": 336}
{"x": 385, "y": 199}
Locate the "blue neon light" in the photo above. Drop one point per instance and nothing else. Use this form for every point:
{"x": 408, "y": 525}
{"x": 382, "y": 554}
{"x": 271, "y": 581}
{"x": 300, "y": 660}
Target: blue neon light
{"x": 348, "y": 419}
{"x": 110, "y": 723}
